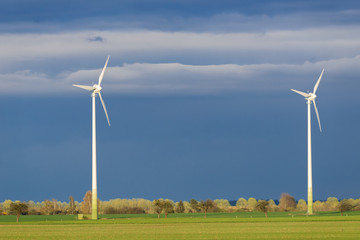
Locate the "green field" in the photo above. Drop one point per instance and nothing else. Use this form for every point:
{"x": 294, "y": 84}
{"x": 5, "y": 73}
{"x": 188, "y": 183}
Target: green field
{"x": 327, "y": 225}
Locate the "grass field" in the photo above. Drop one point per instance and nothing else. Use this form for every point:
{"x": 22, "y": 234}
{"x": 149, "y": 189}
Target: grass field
{"x": 327, "y": 225}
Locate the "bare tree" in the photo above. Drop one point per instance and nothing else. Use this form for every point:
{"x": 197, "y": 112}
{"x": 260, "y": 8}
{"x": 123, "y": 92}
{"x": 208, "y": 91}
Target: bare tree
{"x": 47, "y": 207}
{"x": 86, "y": 205}
{"x": 345, "y": 206}
{"x": 263, "y": 206}
{"x": 206, "y": 205}
{"x": 180, "y": 208}
{"x": 287, "y": 202}
{"x": 72, "y": 206}
{"x": 55, "y": 206}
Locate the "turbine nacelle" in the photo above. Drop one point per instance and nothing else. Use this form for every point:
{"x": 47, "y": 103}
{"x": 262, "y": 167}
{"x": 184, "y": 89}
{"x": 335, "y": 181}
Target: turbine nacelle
{"x": 97, "y": 88}
{"x": 310, "y": 97}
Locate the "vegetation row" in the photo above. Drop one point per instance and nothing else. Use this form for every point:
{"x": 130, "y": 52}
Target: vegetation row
{"x": 287, "y": 203}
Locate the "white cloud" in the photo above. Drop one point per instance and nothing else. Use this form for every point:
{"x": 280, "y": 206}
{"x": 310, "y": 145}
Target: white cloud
{"x": 54, "y": 53}
{"x": 170, "y": 62}
{"x": 169, "y": 78}
{"x": 22, "y": 47}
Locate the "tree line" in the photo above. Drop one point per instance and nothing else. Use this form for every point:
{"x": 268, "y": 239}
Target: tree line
{"x": 166, "y": 206}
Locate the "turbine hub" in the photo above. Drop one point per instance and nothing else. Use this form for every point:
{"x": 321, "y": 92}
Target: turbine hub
{"x": 311, "y": 97}
{"x": 97, "y": 88}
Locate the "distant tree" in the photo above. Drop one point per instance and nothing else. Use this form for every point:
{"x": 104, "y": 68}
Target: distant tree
{"x": 241, "y": 203}
{"x": 158, "y": 206}
{"x": 124, "y": 210}
{"x": 263, "y": 206}
{"x": 301, "y": 205}
{"x": 47, "y": 207}
{"x": 356, "y": 205}
{"x": 86, "y": 205}
{"x": 319, "y": 206}
{"x": 194, "y": 204}
{"x": 187, "y": 206}
{"x": 223, "y": 204}
{"x": 272, "y": 206}
{"x": 55, "y": 206}
{"x": 132, "y": 210}
{"x": 118, "y": 205}
{"x": 251, "y": 204}
{"x": 31, "y": 204}
{"x": 110, "y": 210}
{"x": 168, "y": 207}
{"x": 344, "y": 206}
{"x": 87, "y": 202}
{"x": 6, "y": 205}
{"x": 64, "y": 208}
{"x": 38, "y": 207}
{"x": 32, "y": 208}
{"x": 332, "y": 204}
{"x": 180, "y": 208}
{"x": 72, "y": 206}
{"x": 18, "y": 208}
{"x": 287, "y": 202}
{"x": 206, "y": 205}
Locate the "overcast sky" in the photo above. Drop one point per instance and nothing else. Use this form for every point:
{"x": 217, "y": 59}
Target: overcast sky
{"x": 198, "y": 95}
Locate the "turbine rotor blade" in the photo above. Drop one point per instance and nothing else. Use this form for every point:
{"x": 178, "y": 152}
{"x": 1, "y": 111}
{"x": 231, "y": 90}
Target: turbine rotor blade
{"x": 103, "y": 71}
{"x": 103, "y": 104}
{"x": 317, "y": 114}
{"x": 301, "y": 93}
{"x": 318, "y": 81}
{"x": 89, "y": 88}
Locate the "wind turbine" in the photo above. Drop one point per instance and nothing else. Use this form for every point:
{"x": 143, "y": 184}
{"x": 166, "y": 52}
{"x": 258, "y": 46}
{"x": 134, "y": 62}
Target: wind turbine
{"x": 310, "y": 97}
{"x": 95, "y": 89}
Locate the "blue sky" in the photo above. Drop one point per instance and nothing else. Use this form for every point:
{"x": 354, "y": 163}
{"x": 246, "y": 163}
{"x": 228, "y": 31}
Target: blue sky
{"x": 198, "y": 95}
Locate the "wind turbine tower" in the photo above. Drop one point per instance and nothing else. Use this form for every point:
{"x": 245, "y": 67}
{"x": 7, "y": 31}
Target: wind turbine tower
{"x": 95, "y": 89}
{"x": 310, "y": 97}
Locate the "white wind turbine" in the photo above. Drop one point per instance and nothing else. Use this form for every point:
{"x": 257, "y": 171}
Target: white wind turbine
{"x": 95, "y": 89}
{"x": 310, "y": 97}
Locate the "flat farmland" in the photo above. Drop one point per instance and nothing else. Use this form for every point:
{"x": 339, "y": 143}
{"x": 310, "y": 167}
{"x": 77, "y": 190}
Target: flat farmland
{"x": 214, "y": 227}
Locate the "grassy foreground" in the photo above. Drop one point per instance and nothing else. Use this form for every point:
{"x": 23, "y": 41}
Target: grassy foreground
{"x": 178, "y": 226}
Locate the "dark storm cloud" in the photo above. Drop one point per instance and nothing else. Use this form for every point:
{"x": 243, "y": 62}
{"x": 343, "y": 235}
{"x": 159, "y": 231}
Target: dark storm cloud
{"x": 66, "y": 10}
{"x": 188, "y": 83}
